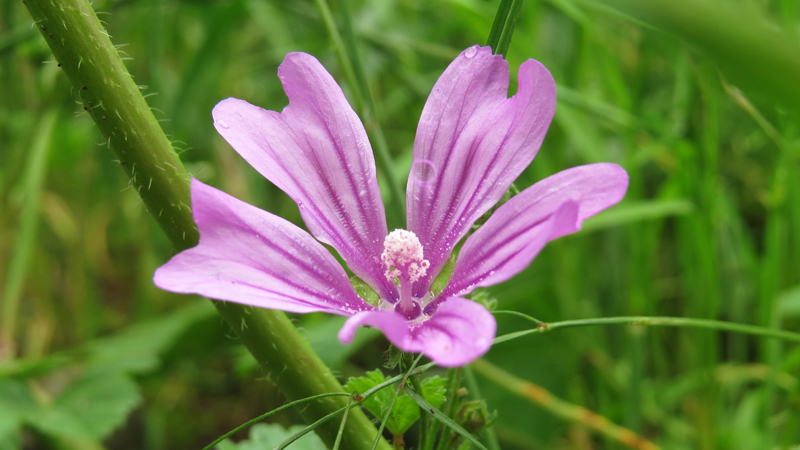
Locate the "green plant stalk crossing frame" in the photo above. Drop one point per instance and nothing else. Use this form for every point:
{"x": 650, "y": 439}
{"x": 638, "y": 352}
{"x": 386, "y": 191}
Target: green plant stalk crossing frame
{"x": 84, "y": 50}
{"x": 716, "y": 325}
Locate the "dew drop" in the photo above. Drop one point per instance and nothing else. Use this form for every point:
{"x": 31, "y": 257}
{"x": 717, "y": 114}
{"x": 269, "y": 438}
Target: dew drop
{"x": 222, "y": 124}
{"x": 470, "y": 52}
{"x": 423, "y": 171}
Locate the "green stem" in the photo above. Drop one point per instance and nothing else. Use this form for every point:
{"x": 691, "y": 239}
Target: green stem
{"x": 25, "y": 238}
{"x": 396, "y": 394}
{"x": 475, "y": 393}
{"x": 265, "y": 415}
{"x": 454, "y": 382}
{"x": 84, "y": 50}
{"x": 341, "y": 427}
{"x": 505, "y": 19}
{"x": 656, "y": 321}
{"x": 423, "y": 414}
{"x": 347, "y": 54}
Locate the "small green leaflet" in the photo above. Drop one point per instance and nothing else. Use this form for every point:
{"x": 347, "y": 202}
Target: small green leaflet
{"x": 405, "y": 411}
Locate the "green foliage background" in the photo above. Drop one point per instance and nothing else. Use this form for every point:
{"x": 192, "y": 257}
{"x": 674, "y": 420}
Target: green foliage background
{"x": 710, "y": 227}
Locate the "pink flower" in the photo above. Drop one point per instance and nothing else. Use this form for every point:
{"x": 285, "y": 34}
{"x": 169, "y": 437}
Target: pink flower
{"x": 472, "y": 142}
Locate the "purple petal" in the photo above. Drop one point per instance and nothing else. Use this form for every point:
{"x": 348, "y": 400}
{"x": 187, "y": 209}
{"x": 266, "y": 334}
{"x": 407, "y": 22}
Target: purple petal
{"x": 460, "y": 332}
{"x": 472, "y": 142}
{"x": 247, "y": 255}
{"x": 519, "y": 229}
{"x": 317, "y": 151}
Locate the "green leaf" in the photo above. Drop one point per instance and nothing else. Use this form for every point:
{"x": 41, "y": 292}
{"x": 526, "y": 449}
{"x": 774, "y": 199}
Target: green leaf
{"x": 138, "y": 349}
{"x": 378, "y": 401}
{"x": 265, "y": 436}
{"x": 90, "y": 408}
{"x": 434, "y": 391}
{"x": 405, "y": 411}
{"x": 15, "y": 403}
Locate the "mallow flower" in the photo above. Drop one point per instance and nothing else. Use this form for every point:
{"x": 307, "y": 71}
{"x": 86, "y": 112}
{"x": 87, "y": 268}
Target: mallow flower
{"x": 471, "y": 144}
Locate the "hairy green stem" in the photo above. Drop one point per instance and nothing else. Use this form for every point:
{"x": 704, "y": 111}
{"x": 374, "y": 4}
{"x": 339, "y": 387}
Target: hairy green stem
{"x": 84, "y": 50}
{"x": 505, "y": 19}
{"x": 654, "y": 321}
{"x": 347, "y": 54}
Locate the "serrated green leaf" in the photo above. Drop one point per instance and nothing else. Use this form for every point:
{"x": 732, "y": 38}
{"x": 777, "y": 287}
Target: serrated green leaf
{"x": 434, "y": 390}
{"x": 377, "y": 402}
{"x": 266, "y": 436}
{"x": 90, "y": 408}
{"x": 405, "y": 411}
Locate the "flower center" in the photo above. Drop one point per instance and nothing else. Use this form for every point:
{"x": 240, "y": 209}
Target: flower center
{"x": 402, "y": 257}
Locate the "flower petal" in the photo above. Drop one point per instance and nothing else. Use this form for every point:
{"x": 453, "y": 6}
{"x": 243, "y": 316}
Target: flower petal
{"x": 460, "y": 332}
{"x": 519, "y": 229}
{"x": 317, "y": 151}
{"x": 472, "y": 142}
{"x": 247, "y": 255}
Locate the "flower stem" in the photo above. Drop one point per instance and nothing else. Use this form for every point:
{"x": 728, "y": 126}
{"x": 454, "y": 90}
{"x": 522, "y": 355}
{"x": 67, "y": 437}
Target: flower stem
{"x": 453, "y": 384}
{"x": 560, "y": 408}
{"x": 347, "y": 54}
{"x": 505, "y": 20}
{"x": 423, "y": 413}
{"x": 471, "y": 383}
{"x": 84, "y": 50}
{"x": 656, "y": 321}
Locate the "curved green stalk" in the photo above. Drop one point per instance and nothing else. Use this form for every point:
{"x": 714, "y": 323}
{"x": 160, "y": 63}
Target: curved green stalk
{"x": 84, "y": 51}
{"x": 265, "y": 415}
{"x": 653, "y": 321}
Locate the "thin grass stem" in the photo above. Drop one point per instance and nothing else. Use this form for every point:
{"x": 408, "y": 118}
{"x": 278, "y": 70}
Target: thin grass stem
{"x": 265, "y": 415}
{"x": 341, "y": 427}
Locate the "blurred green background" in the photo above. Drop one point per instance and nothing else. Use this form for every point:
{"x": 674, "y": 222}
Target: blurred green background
{"x": 698, "y": 100}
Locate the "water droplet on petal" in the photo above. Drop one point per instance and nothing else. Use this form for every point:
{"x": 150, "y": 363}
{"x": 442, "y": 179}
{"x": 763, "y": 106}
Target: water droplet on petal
{"x": 470, "y": 52}
{"x": 423, "y": 171}
{"x": 222, "y": 124}
{"x": 300, "y": 205}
